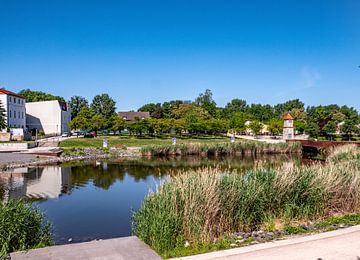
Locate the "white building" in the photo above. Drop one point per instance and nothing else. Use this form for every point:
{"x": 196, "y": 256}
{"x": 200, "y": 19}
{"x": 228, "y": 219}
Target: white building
{"x": 15, "y": 110}
{"x": 52, "y": 117}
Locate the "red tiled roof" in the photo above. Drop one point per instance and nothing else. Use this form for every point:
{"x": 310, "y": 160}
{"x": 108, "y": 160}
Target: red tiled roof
{"x": 288, "y": 117}
{"x": 130, "y": 116}
{"x": 7, "y": 92}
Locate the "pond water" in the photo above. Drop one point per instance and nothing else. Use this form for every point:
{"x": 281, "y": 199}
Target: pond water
{"x": 95, "y": 200}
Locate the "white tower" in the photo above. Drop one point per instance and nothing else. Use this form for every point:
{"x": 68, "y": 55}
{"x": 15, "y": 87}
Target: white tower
{"x": 288, "y": 130}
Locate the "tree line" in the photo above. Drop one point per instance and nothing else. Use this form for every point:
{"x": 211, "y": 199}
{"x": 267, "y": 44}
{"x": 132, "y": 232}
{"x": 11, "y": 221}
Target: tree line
{"x": 204, "y": 116}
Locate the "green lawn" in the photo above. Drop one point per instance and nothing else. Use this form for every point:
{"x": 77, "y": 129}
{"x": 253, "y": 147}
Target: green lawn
{"x": 135, "y": 142}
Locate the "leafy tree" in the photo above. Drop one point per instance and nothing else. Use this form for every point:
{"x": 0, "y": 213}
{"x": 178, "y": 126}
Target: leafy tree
{"x": 118, "y": 124}
{"x": 35, "y": 96}
{"x": 76, "y": 104}
{"x": 312, "y": 129}
{"x": 349, "y": 127}
{"x": 98, "y": 122}
{"x": 299, "y": 126}
{"x": 190, "y": 110}
{"x": 237, "y": 121}
{"x": 167, "y": 107}
{"x": 256, "y": 126}
{"x": 83, "y": 120}
{"x": 155, "y": 110}
{"x": 104, "y": 105}
{"x": 288, "y": 106}
{"x": 262, "y": 113}
{"x": 206, "y": 101}
{"x": 330, "y": 127}
{"x": 3, "y": 123}
{"x": 275, "y": 126}
{"x": 235, "y": 105}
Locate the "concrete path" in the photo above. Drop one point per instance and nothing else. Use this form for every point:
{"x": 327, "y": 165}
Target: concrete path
{"x": 119, "y": 248}
{"x": 13, "y": 157}
{"x": 339, "y": 244}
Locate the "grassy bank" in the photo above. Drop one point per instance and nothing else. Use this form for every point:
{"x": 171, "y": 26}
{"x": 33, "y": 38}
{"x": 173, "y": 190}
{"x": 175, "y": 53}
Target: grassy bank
{"x": 128, "y": 141}
{"x": 22, "y": 227}
{"x": 196, "y": 208}
{"x": 237, "y": 148}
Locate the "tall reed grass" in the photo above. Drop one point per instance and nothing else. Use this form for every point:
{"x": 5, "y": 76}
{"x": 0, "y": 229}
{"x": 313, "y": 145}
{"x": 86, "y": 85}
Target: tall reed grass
{"x": 22, "y": 227}
{"x": 239, "y": 148}
{"x": 202, "y": 205}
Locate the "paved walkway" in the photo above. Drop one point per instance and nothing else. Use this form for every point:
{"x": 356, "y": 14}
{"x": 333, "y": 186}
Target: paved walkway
{"x": 15, "y": 157}
{"x": 110, "y": 249}
{"x": 339, "y": 244}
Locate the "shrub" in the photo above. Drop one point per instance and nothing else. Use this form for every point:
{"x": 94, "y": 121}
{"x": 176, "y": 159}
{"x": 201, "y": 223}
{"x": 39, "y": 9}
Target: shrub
{"x": 244, "y": 147}
{"x": 22, "y": 227}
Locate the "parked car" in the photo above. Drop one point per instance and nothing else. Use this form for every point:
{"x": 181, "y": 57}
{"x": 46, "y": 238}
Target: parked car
{"x": 91, "y": 134}
{"x": 66, "y": 134}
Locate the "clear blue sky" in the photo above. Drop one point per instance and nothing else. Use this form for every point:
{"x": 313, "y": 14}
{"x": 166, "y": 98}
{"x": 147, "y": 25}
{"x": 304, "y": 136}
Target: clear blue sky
{"x": 154, "y": 51}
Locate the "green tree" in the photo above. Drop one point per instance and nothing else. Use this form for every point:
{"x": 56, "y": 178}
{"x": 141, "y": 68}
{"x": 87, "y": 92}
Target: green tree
{"x": 118, "y": 124}
{"x": 35, "y": 96}
{"x": 235, "y": 105}
{"x": 275, "y": 126}
{"x": 190, "y": 110}
{"x": 83, "y": 121}
{"x": 330, "y": 127}
{"x": 349, "y": 127}
{"x": 256, "y": 126}
{"x": 312, "y": 129}
{"x": 155, "y": 110}
{"x": 288, "y": 106}
{"x": 104, "y": 105}
{"x": 3, "y": 123}
{"x": 76, "y": 104}
{"x": 299, "y": 126}
{"x": 237, "y": 121}
{"x": 206, "y": 101}
{"x": 98, "y": 122}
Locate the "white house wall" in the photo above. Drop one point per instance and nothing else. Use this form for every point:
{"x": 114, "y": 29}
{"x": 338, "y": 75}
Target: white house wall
{"x": 48, "y": 117}
{"x": 15, "y": 111}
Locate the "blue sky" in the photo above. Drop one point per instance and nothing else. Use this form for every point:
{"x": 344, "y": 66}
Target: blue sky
{"x": 154, "y": 51}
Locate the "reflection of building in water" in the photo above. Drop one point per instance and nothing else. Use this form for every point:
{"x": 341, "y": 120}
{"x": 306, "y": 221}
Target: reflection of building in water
{"x": 50, "y": 183}
{"x": 37, "y": 183}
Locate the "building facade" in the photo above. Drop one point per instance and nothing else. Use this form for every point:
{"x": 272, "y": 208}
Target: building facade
{"x": 288, "y": 129}
{"x": 15, "y": 109}
{"x": 51, "y": 117}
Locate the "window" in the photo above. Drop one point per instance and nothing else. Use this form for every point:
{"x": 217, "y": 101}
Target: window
{"x": 22, "y": 115}
{"x": 14, "y": 100}
{"x": 19, "y": 101}
{"x": 14, "y": 114}
{"x": 9, "y": 99}
{"x": 19, "y": 114}
{"x": 10, "y": 113}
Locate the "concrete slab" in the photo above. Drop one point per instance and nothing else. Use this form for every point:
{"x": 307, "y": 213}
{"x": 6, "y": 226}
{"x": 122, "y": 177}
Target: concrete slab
{"x": 109, "y": 249}
{"x": 339, "y": 244}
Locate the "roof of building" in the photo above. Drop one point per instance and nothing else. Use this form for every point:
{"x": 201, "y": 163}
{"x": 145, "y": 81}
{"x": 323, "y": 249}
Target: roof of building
{"x": 133, "y": 115}
{"x": 287, "y": 116}
{"x": 7, "y": 92}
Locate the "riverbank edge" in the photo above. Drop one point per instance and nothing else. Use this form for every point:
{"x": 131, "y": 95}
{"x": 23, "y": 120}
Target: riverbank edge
{"x": 90, "y": 154}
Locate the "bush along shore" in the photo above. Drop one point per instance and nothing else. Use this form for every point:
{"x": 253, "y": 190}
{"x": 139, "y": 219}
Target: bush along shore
{"x": 22, "y": 227}
{"x": 239, "y": 148}
{"x": 208, "y": 209}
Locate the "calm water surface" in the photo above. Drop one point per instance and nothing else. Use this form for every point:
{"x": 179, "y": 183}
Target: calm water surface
{"x": 95, "y": 200}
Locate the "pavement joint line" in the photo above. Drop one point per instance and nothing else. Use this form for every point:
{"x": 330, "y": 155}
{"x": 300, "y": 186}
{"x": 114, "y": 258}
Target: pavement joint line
{"x": 272, "y": 244}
